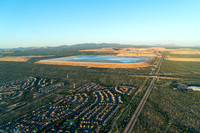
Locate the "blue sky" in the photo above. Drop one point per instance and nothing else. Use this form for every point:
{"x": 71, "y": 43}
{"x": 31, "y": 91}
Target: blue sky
{"x": 25, "y": 23}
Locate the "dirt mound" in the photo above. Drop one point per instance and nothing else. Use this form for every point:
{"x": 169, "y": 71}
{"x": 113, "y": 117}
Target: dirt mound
{"x": 98, "y": 65}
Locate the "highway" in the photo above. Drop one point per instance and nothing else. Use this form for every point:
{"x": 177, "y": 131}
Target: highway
{"x": 136, "y": 114}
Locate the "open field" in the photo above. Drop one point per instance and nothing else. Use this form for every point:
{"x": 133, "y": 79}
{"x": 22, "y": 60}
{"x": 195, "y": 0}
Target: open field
{"x": 188, "y": 56}
{"x": 184, "y": 51}
{"x": 184, "y": 56}
{"x": 98, "y": 65}
{"x": 183, "y": 59}
{"x": 181, "y": 67}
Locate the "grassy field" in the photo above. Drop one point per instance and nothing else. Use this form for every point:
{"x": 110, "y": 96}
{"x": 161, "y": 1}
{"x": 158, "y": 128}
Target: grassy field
{"x": 184, "y": 69}
{"x": 185, "y": 55}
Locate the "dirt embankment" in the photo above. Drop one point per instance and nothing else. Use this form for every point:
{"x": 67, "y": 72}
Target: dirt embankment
{"x": 98, "y": 65}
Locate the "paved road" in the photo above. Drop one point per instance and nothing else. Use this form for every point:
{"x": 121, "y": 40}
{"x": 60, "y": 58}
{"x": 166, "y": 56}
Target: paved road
{"x": 134, "y": 117}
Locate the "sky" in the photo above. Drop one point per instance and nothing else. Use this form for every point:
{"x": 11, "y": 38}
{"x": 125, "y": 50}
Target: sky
{"x": 27, "y": 23}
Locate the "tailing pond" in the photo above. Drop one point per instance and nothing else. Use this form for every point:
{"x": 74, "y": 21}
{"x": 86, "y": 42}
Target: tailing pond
{"x": 101, "y": 59}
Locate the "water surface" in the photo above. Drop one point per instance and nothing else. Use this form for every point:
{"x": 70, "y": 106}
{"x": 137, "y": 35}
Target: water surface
{"x": 101, "y": 59}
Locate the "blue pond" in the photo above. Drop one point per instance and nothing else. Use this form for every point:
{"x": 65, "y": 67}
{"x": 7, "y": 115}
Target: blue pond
{"x": 108, "y": 59}
{"x": 100, "y": 59}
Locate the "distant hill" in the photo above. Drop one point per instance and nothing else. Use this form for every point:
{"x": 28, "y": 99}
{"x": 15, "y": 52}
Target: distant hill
{"x": 62, "y": 50}
{"x": 85, "y": 45}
